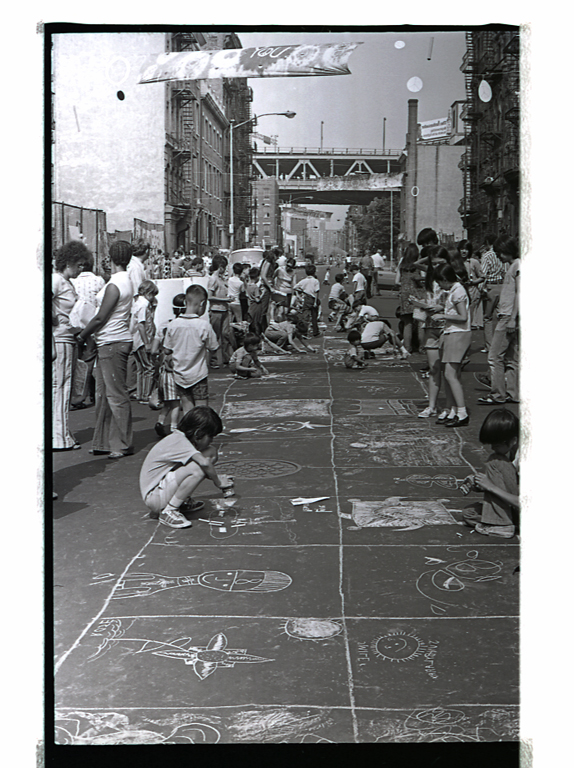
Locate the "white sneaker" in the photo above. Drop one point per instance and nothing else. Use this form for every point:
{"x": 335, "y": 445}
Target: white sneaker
{"x": 174, "y": 519}
{"x": 427, "y": 413}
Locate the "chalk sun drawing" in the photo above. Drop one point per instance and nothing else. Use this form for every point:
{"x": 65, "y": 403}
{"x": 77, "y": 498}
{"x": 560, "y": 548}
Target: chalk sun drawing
{"x": 398, "y": 646}
{"x": 401, "y": 513}
{"x": 312, "y": 629}
{"x": 453, "y": 578}
{"x": 145, "y": 584}
{"x": 79, "y": 727}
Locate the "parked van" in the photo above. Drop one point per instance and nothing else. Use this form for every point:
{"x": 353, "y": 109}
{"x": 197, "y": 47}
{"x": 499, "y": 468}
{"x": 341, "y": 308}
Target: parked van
{"x": 253, "y": 256}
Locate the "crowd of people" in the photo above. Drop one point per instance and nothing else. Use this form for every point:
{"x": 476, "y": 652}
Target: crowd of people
{"x": 107, "y": 348}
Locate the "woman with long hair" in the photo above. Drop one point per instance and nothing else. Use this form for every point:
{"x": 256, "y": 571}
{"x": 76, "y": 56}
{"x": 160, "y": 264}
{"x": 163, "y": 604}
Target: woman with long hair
{"x": 218, "y": 294}
{"x": 411, "y": 285}
{"x": 113, "y": 431}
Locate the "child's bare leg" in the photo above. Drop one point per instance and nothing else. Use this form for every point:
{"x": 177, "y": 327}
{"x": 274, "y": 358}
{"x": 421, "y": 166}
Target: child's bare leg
{"x": 175, "y": 415}
{"x": 187, "y": 479}
{"x": 187, "y": 403}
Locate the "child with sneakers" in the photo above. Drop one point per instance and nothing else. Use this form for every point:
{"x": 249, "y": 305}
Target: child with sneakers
{"x": 170, "y": 412}
{"x": 499, "y": 481}
{"x": 187, "y": 340}
{"x": 176, "y": 465}
{"x": 354, "y": 357}
{"x": 244, "y": 362}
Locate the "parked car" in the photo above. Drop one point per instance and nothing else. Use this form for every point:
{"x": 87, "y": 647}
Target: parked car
{"x": 253, "y": 256}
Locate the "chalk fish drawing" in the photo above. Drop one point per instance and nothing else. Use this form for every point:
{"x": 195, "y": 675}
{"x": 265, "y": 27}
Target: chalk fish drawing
{"x": 204, "y": 659}
{"x": 307, "y": 409}
{"x": 453, "y": 578}
{"x": 404, "y": 514}
{"x": 115, "y": 728}
{"x": 145, "y": 584}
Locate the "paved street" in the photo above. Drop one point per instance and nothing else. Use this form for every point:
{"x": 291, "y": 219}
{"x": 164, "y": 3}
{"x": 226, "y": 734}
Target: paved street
{"x": 337, "y": 597}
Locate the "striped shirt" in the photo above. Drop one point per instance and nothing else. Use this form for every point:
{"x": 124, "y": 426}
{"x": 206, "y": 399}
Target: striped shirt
{"x": 492, "y": 268}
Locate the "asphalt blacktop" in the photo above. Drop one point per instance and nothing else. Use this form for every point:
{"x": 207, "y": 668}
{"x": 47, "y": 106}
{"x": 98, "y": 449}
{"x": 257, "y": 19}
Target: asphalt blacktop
{"x": 338, "y": 598}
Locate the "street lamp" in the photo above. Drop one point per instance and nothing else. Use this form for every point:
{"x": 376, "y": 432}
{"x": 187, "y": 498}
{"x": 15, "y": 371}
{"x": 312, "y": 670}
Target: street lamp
{"x": 232, "y": 127}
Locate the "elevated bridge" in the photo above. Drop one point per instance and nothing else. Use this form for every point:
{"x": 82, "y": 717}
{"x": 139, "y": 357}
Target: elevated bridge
{"x": 330, "y": 176}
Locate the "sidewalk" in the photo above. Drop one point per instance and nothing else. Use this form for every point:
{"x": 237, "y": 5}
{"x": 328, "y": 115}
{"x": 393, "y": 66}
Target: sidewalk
{"x": 367, "y": 613}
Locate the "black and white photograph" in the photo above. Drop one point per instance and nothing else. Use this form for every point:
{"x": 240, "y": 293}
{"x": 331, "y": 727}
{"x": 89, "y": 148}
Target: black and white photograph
{"x": 285, "y": 420}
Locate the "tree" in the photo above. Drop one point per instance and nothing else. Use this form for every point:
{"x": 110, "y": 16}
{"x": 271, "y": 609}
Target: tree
{"x": 373, "y": 224}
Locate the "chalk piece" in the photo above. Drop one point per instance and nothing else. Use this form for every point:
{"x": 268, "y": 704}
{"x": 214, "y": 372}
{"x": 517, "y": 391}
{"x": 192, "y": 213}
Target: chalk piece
{"x": 346, "y": 516}
{"x": 223, "y": 530}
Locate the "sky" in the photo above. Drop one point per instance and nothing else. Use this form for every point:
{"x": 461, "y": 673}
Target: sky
{"x": 353, "y": 106}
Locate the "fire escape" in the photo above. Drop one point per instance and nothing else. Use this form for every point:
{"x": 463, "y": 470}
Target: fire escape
{"x": 490, "y": 163}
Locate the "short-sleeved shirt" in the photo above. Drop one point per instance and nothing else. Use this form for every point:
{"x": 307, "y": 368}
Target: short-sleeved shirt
{"x": 373, "y": 330}
{"x": 284, "y": 281}
{"x": 173, "y": 451}
{"x": 136, "y": 271}
{"x": 508, "y": 292}
{"x": 368, "y": 311}
{"x": 64, "y": 297}
{"x": 239, "y": 356}
{"x": 492, "y": 268}
{"x": 235, "y": 286}
{"x": 337, "y": 291}
{"x": 139, "y": 315}
{"x": 456, "y": 295}
{"x": 88, "y": 286}
{"x": 188, "y": 337}
{"x": 360, "y": 282}
{"x": 220, "y": 289}
{"x": 309, "y": 285}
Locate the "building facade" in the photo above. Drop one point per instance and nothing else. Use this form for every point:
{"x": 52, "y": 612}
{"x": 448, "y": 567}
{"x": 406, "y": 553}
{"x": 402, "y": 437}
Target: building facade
{"x": 267, "y": 229}
{"x": 491, "y": 161}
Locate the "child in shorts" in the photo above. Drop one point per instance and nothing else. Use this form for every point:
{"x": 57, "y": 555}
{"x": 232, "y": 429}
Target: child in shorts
{"x": 236, "y": 287}
{"x": 499, "y": 481}
{"x": 338, "y": 302}
{"x": 354, "y": 356}
{"x": 176, "y": 465}
{"x": 244, "y": 362}
{"x": 170, "y": 411}
{"x": 187, "y": 340}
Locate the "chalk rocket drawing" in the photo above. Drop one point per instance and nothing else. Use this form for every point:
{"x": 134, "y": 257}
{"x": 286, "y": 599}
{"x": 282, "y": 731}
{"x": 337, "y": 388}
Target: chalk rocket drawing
{"x": 145, "y": 584}
{"x": 306, "y": 409}
{"x": 401, "y": 513}
{"x": 205, "y": 659}
{"x": 77, "y": 727}
{"x": 451, "y": 579}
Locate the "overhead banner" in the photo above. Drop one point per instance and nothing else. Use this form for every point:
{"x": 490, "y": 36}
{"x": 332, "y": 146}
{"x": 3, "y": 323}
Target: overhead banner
{"x": 276, "y": 61}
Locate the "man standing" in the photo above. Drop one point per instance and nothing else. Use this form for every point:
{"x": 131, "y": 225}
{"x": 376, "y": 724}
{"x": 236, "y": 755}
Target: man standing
{"x": 136, "y": 266}
{"x": 379, "y": 263}
{"x": 367, "y": 267}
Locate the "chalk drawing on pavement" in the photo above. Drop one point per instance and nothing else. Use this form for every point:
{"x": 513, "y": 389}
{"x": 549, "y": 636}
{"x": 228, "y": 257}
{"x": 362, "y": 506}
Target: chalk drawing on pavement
{"x": 387, "y": 408}
{"x": 278, "y": 724}
{"x": 282, "y": 426}
{"x": 258, "y": 469}
{"x": 145, "y": 584}
{"x": 426, "y": 481}
{"x": 312, "y": 629}
{"x": 445, "y": 724}
{"x": 79, "y": 727}
{"x": 306, "y": 409}
{"x": 401, "y": 513}
{"x": 397, "y": 646}
{"x": 453, "y": 578}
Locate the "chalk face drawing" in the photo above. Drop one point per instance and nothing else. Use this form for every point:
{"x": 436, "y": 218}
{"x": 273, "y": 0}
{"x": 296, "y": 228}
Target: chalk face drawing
{"x": 257, "y": 469}
{"x": 313, "y": 629}
{"x": 78, "y": 727}
{"x": 444, "y": 586}
{"x": 401, "y": 513}
{"x": 397, "y": 646}
{"x": 387, "y": 408}
{"x": 145, "y": 584}
{"x": 307, "y": 409}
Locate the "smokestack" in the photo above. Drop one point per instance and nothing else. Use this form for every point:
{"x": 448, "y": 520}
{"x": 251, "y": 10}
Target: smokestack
{"x": 410, "y": 183}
